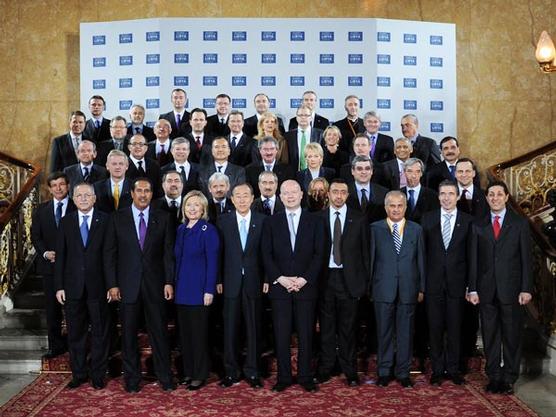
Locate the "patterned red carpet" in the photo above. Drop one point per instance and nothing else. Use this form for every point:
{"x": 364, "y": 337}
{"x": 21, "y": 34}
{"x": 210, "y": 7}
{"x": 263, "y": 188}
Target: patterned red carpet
{"x": 48, "y": 397}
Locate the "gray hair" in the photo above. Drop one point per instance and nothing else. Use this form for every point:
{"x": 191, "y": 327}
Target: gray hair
{"x": 393, "y": 194}
{"x": 371, "y": 114}
{"x": 268, "y": 173}
{"x": 361, "y": 158}
{"x": 412, "y": 117}
{"x": 179, "y": 141}
{"x": 218, "y": 176}
{"x": 412, "y": 161}
{"x": 268, "y": 139}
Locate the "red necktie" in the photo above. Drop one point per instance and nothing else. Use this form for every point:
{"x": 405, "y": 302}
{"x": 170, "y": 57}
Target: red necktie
{"x": 496, "y": 227}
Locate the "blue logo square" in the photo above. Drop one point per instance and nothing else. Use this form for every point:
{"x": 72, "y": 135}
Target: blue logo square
{"x": 272, "y": 103}
{"x": 437, "y": 105}
{"x": 239, "y": 58}
{"x": 210, "y": 58}
{"x": 181, "y": 35}
{"x": 383, "y": 103}
{"x": 150, "y": 124}
{"x": 383, "y": 36}
{"x": 210, "y": 80}
{"x": 297, "y": 58}
{"x": 298, "y": 80}
{"x": 355, "y": 58}
{"x": 153, "y": 36}
{"x": 239, "y": 81}
{"x": 126, "y": 37}
{"x": 99, "y": 84}
{"x": 210, "y": 35}
{"x": 297, "y": 36}
{"x": 410, "y": 104}
{"x": 181, "y": 81}
{"x": 268, "y": 58}
{"x": 209, "y": 103}
{"x": 152, "y": 103}
{"x": 268, "y": 35}
{"x": 99, "y": 40}
{"x": 436, "y": 84}
{"x": 384, "y": 126}
{"x": 326, "y": 58}
{"x": 383, "y": 81}
{"x": 326, "y": 103}
{"x": 409, "y": 60}
{"x": 239, "y": 103}
{"x": 125, "y": 104}
{"x": 181, "y": 58}
{"x": 437, "y": 127}
{"x": 126, "y": 82}
{"x": 355, "y": 36}
{"x": 409, "y": 38}
{"x": 326, "y": 36}
{"x": 326, "y": 81}
{"x": 153, "y": 58}
{"x": 436, "y": 61}
{"x": 383, "y": 59}
{"x": 152, "y": 81}
{"x": 355, "y": 81}
{"x": 239, "y": 36}
{"x": 436, "y": 40}
{"x": 268, "y": 80}
{"x": 410, "y": 82}
{"x": 101, "y": 62}
{"x": 360, "y": 103}
{"x": 295, "y": 103}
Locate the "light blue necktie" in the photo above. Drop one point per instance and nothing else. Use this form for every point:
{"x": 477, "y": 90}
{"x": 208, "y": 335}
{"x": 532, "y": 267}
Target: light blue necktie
{"x": 397, "y": 238}
{"x": 446, "y": 229}
{"x": 411, "y": 199}
{"x": 84, "y": 229}
{"x": 243, "y": 233}
{"x": 292, "y": 229}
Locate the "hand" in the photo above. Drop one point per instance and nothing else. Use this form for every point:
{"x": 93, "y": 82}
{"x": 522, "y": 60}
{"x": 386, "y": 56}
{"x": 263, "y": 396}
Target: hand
{"x": 207, "y": 299}
{"x": 473, "y": 298}
{"x": 300, "y": 283}
{"x": 114, "y": 294}
{"x": 287, "y": 282}
{"x": 50, "y": 255}
{"x": 524, "y": 298}
{"x": 168, "y": 292}
{"x": 265, "y": 288}
{"x": 219, "y": 288}
{"x": 420, "y": 297}
{"x": 61, "y": 296}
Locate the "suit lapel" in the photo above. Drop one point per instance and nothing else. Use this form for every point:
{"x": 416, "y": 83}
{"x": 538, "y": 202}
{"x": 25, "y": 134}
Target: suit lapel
{"x": 286, "y": 229}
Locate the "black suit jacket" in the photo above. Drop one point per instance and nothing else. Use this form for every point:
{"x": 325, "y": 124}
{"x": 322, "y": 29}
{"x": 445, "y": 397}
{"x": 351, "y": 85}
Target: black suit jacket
{"x": 389, "y": 175}
{"x": 62, "y": 154}
{"x": 250, "y": 126}
{"x": 183, "y": 129}
{"x": 384, "y": 149}
{"x": 75, "y": 175}
{"x": 191, "y": 182}
{"x": 375, "y": 207}
{"x": 201, "y": 156}
{"x": 79, "y": 268}
{"x": 440, "y": 172}
{"x": 104, "y": 148}
{"x": 152, "y": 171}
{"x": 128, "y": 267}
{"x": 146, "y": 131}
{"x": 214, "y": 212}
{"x": 349, "y": 130}
{"x": 105, "y": 201}
{"x": 335, "y": 160}
{"x": 245, "y": 152}
{"x": 293, "y": 151}
{"x": 175, "y": 215}
{"x": 304, "y": 177}
{"x": 215, "y": 128}
{"x": 477, "y": 206}
{"x": 283, "y": 172}
{"x": 354, "y": 251}
{"x": 97, "y": 135}
{"x": 320, "y": 122}
{"x": 427, "y": 150}
{"x": 162, "y": 160}
{"x": 259, "y": 207}
{"x": 235, "y": 259}
{"x": 235, "y": 173}
{"x": 427, "y": 201}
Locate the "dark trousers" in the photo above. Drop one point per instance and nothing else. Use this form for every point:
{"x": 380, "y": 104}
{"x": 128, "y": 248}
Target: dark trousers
{"x": 193, "y": 327}
{"x": 394, "y": 321}
{"x": 79, "y": 314}
{"x": 501, "y": 328}
{"x": 303, "y": 313}
{"x": 155, "y": 318}
{"x": 445, "y": 316}
{"x": 337, "y": 315}
{"x": 234, "y": 309}
{"x": 469, "y": 331}
{"x": 54, "y": 316}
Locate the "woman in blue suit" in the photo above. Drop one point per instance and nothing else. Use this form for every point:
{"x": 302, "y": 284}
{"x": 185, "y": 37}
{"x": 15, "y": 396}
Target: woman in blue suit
{"x": 197, "y": 253}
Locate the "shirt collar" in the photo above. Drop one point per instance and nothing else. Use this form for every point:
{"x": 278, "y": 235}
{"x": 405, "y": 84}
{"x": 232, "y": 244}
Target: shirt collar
{"x": 247, "y": 217}
{"x": 342, "y": 210}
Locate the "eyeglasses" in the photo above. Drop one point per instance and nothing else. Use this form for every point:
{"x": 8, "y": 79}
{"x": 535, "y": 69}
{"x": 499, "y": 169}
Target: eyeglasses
{"x": 137, "y": 144}
{"x": 360, "y": 169}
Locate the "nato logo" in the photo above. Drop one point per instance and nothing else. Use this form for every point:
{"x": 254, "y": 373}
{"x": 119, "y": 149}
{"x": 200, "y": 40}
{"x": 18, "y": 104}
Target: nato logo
{"x": 297, "y": 36}
{"x": 125, "y": 104}
{"x": 209, "y": 103}
{"x": 239, "y": 103}
{"x": 326, "y": 36}
{"x": 152, "y": 81}
{"x": 239, "y": 58}
{"x": 326, "y": 58}
{"x": 383, "y": 36}
{"x": 295, "y": 103}
{"x": 383, "y": 103}
{"x": 181, "y": 35}
{"x": 326, "y": 81}
{"x": 409, "y": 60}
{"x": 126, "y": 82}
{"x": 436, "y": 61}
{"x": 383, "y": 81}
{"x": 436, "y": 40}
{"x": 437, "y": 105}
{"x": 355, "y": 36}
{"x": 153, "y": 36}
{"x": 99, "y": 84}
{"x": 268, "y": 36}
{"x": 239, "y": 36}
{"x": 326, "y": 103}
{"x": 383, "y": 59}
{"x": 297, "y": 58}
{"x": 101, "y": 62}
{"x": 181, "y": 58}
{"x": 355, "y": 58}
{"x": 437, "y": 127}
{"x": 99, "y": 40}
{"x": 297, "y": 80}
{"x": 126, "y": 60}
{"x": 355, "y": 81}
{"x": 126, "y": 37}
{"x": 210, "y": 35}
{"x": 240, "y": 81}
{"x": 153, "y": 58}
{"x": 410, "y": 82}
{"x": 210, "y": 58}
{"x": 272, "y": 103}
{"x": 384, "y": 126}
{"x": 268, "y": 80}
{"x": 181, "y": 80}
{"x": 410, "y": 104}
{"x": 409, "y": 38}
{"x": 436, "y": 84}
{"x": 152, "y": 103}
{"x": 268, "y": 58}
{"x": 210, "y": 80}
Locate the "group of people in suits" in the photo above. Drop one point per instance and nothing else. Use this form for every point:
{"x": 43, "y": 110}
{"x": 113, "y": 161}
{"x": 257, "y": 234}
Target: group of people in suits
{"x": 318, "y": 218}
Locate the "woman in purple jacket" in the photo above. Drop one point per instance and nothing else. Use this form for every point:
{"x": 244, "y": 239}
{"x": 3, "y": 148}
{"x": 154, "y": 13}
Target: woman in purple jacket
{"x": 197, "y": 253}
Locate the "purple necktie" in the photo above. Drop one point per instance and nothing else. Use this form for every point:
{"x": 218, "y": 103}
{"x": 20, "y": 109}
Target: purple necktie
{"x": 178, "y": 120}
{"x": 142, "y": 230}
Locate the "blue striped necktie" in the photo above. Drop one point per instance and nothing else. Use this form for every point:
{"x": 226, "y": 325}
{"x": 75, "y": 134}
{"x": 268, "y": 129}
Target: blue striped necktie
{"x": 397, "y": 238}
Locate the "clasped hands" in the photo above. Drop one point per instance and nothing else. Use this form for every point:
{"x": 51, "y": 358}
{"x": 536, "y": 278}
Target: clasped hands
{"x": 292, "y": 284}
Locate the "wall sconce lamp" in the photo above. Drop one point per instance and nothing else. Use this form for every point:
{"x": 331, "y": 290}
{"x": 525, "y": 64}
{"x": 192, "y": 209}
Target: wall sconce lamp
{"x": 546, "y": 53}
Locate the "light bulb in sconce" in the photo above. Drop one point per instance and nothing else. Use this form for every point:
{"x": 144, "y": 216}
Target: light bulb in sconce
{"x": 545, "y": 52}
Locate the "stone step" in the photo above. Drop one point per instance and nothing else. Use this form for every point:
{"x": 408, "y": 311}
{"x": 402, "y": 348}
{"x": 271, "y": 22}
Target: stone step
{"x": 31, "y": 282}
{"x": 23, "y": 339}
{"x": 33, "y": 299}
{"x": 19, "y": 318}
{"x": 20, "y": 361}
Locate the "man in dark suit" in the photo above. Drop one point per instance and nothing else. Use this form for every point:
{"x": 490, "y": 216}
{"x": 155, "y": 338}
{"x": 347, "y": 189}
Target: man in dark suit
{"x": 189, "y": 171}
{"x": 97, "y": 127}
{"x": 451, "y": 261}
{"x": 503, "y": 286}
{"x": 301, "y": 136}
{"x": 382, "y": 146}
{"x": 268, "y": 149}
{"x": 141, "y": 166}
{"x": 64, "y": 148}
{"x": 200, "y": 141}
{"x": 398, "y": 283}
{"x": 139, "y": 271}
{"x": 137, "y": 125}
{"x": 243, "y": 148}
{"x": 178, "y": 117}
{"x": 419, "y": 199}
{"x": 262, "y": 105}
{"x": 364, "y": 195}
{"x": 81, "y": 288}
{"x": 119, "y": 140}
{"x": 426, "y": 149}
{"x": 391, "y": 173}
{"x": 115, "y": 192}
{"x": 345, "y": 281}
{"x": 85, "y": 170}
{"x": 350, "y": 125}
{"x": 44, "y": 232}
{"x": 220, "y": 155}
{"x": 159, "y": 149}
{"x": 171, "y": 201}
{"x": 309, "y": 99}
{"x": 217, "y": 124}
{"x": 242, "y": 283}
{"x": 268, "y": 203}
{"x": 218, "y": 201}
{"x": 293, "y": 252}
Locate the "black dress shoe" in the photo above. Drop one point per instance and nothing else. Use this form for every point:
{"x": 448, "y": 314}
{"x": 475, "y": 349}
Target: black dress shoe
{"x": 383, "y": 381}
{"x": 310, "y": 386}
{"x": 132, "y": 389}
{"x": 457, "y": 379}
{"x": 280, "y": 386}
{"x": 436, "y": 379}
{"x": 493, "y": 387}
{"x": 196, "y": 384}
{"x": 321, "y": 378}
{"x": 76, "y": 383}
{"x": 51, "y": 354}
{"x": 168, "y": 386}
{"x": 352, "y": 381}
{"x": 506, "y": 388}
{"x": 185, "y": 381}
{"x": 98, "y": 383}
{"x": 228, "y": 381}
{"x": 406, "y": 382}
{"x": 255, "y": 382}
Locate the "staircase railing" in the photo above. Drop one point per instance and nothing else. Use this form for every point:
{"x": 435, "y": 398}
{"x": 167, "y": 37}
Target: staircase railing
{"x": 19, "y": 195}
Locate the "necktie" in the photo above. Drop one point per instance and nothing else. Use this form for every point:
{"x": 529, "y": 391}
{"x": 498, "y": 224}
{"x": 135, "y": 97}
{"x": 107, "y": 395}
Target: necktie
{"x": 292, "y": 229}
{"x": 452, "y": 169}
{"x": 219, "y": 168}
{"x": 116, "y": 195}
{"x": 302, "y": 161}
{"x": 222, "y": 207}
{"x": 337, "y": 240}
{"x": 75, "y": 143}
{"x": 84, "y": 229}
{"x": 464, "y": 203}
{"x": 496, "y": 227}
{"x": 162, "y": 150}
{"x": 446, "y": 229}
{"x": 403, "y": 178}
{"x": 222, "y": 121}
{"x": 364, "y": 199}
{"x": 58, "y": 214}
{"x": 411, "y": 199}
{"x": 243, "y": 233}
{"x": 397, "y": 238}
{"x": 198, "y": 142}
{"x": 268, "y": 167}
{"x": 373, "y": 144}
{"x": 266, "y": 207}
{"x": 97, "y": 124}
{"x": 182, "y": 173}
{"x": 137, "y": 130}
{"x": 140, "y": 168}
{"x": 234, "y": 142}
{"x": 178, "y": 120}
{"x": 174, "y": 209}
{"x": 142, "y": 230}
{"x": 85, "y": 174}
